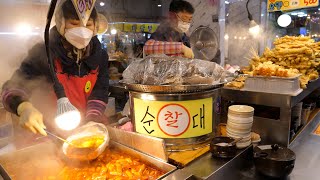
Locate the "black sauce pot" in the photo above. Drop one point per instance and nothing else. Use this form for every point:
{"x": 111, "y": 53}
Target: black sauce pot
{"x": 223, "y": 151}
{"x": 274, "y": 161}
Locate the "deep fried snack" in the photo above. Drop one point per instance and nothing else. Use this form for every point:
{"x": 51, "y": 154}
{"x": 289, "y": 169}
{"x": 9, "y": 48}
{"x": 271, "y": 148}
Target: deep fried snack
{"x": 290, "y": 56}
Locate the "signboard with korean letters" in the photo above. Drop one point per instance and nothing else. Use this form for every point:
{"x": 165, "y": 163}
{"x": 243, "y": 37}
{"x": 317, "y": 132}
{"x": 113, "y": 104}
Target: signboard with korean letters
{"x": 173, "y": 119}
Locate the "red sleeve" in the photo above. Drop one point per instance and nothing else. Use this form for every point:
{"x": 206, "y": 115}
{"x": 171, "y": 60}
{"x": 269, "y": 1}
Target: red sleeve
{"x": 162, "y": 47}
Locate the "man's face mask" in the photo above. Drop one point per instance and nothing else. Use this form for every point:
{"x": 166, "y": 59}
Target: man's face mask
{"x": 79, "y": 37}
{"x": 184, "y": 22}
{"x": 183, "y": 26}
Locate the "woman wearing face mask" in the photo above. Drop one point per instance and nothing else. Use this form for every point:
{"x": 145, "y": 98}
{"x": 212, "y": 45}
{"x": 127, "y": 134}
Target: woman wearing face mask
{"x": 170, "y": 38}
{"x": 80, "y": 66}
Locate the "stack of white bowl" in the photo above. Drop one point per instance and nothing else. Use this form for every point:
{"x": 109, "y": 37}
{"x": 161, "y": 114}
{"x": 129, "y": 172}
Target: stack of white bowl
{"x": 239, "y": 124}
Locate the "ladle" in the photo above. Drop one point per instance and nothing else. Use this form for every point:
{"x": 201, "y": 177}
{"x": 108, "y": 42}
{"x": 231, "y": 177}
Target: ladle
{"x": 60, "y": 138}
{"x": 76, "y": 150}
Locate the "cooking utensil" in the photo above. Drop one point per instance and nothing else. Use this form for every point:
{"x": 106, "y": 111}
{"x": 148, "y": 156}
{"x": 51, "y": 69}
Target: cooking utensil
{"x": 88, "y": 136}
{"x": 58, "y": 137}
{"x": 274, "y": 161}
{"x": 76, "y": 150}
{"x": 223, "y": 147}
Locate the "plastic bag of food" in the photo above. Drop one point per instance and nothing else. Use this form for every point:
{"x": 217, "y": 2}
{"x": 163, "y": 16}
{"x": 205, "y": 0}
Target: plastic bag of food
{"x": 87, "y": 142}
{"x": 165, "y": 70}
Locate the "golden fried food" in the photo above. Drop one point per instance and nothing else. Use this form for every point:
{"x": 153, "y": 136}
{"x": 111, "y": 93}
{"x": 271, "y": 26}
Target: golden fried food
{"x": 111, "y": 165}
{"x": 270, "y": 69}
{"x": 237, "y": 83}
{"x": 290, "y": 56}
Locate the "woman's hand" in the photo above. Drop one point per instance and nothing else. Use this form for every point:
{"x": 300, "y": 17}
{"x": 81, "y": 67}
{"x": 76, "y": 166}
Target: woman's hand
{"x": 31, "y": 118}
{"x": 187, "y": 52}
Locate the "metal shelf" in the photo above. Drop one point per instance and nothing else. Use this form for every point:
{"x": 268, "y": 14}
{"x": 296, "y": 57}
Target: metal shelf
{"x": 312, "y": 122}
{"x": 274, "y": 131}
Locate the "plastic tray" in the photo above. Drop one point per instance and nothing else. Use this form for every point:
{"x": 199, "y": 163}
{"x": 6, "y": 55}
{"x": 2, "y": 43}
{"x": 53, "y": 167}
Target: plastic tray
{"x": 275, "y": 85}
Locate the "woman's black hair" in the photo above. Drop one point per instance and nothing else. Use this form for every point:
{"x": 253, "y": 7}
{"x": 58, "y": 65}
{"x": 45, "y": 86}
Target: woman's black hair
{"x": 69, "y": 12}
{"x": 177, "y": 6}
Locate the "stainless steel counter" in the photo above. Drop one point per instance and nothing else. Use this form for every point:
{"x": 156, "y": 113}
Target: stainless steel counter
{"x": 271, "y": 130}
{"x": 208, "y": 167}
{"x": 306, "y": 147}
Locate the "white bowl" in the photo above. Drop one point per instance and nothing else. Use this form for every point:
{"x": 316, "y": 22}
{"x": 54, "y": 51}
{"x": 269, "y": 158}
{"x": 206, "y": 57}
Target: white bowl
{"x": 244, "y": 137}
{"x": 242, "y": 133}
{"x": 241, "y": 145}
{"x": 239, "y": 120}
{"x": 240, "y": 127}
{"x": 241, "y": 110}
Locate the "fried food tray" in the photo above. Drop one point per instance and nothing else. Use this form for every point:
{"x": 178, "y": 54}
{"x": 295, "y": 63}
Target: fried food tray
{"x": 272, "y": 84}
{"x": 43, "y": 161}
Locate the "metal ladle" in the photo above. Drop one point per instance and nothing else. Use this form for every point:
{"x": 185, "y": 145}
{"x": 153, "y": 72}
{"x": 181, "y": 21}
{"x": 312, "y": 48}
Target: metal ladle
{"x": 80, "y": 151}
{"x": 60, "y": 138}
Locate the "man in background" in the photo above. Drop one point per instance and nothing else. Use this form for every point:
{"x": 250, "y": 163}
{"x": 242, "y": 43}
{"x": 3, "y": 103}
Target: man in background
{"x": 170, "y": 38}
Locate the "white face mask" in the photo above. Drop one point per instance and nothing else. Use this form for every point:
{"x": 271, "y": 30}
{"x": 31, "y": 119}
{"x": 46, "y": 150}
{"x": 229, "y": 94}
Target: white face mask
{"x": 79, "y": 37}
{"x": 183, "y": 26}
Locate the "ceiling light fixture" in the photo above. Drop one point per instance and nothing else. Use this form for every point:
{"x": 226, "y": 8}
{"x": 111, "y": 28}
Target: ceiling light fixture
{"x": 284, "y": 20}
{"x": 102, "y": 3}
{"x": 159, "y": 5}
{"x": 227, "y": 2}
{"x": 113, "y": 31}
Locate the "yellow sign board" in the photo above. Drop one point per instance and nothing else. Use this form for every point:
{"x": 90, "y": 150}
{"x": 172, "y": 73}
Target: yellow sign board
{"x": 84, "y": 9}
{"x": 284, "y": 5}
{"x": 135, "y": 27}
{"x": 173, "y": 119}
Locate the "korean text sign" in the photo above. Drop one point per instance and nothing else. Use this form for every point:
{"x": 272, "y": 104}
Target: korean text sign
{"x": 173, "y": 119}
{"x": 283, "y": 5}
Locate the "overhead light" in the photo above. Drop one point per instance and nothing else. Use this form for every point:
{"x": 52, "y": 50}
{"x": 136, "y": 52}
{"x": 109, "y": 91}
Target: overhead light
{"x": 254, "y": 28}
{"x": 227, "y": 14}
{"x": 159, "y": 5}
{"x": 227, "y": 2}
{"x": 126, "y": 35}
{"x": 113, "y": 31}
{"x": 68, "y": 117}
{"x": 23, "y": 29}
{"x": 226, "y": 37}
{"x": 17, "y": 34}
{"x": 284, "y": 20}
{"x": 102, "y": 3}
